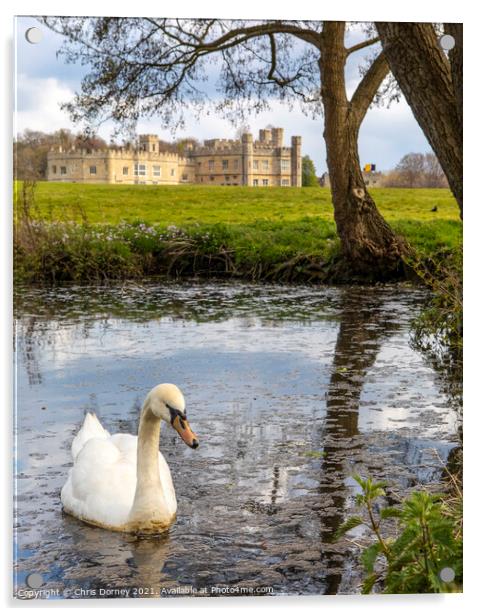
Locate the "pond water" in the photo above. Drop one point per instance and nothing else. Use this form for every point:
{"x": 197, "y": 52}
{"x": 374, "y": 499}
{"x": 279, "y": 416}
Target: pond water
{"x": 291, "y": 390}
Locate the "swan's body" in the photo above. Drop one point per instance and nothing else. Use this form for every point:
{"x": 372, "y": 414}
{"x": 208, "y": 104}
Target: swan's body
{"x": 122, "y": 482}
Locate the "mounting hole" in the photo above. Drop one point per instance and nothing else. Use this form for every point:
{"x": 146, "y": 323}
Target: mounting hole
{"x": 33, "y": 35}
{"x": 446, "y": 42}
{"x": 447, "y": 574}
{"x": 34, "y": 580}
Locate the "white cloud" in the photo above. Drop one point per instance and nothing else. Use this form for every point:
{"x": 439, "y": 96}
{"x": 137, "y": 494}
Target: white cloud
{"x": 38, "y": 104}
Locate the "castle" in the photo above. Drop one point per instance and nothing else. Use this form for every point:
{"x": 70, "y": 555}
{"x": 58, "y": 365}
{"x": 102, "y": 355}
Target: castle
{"x": 221, "y": 162}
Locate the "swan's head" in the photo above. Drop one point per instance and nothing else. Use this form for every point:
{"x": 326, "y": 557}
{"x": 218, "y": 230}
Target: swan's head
{"x": 167, "y": 402}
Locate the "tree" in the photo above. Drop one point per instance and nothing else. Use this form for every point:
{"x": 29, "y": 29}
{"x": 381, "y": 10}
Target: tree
{"x": 150, "y": 66}
{"x": 308, "y": 172}
{"x": 417, "y": 171}
{"x": 411, "y": 169}
{"x": 432, "y": 84}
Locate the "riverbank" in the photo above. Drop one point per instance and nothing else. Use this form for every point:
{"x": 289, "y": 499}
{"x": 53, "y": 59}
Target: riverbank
{"x": 81, "y": 233}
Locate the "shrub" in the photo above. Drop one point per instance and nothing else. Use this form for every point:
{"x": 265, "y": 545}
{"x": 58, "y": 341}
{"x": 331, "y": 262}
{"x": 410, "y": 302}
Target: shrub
{"x": 427, "y": 540}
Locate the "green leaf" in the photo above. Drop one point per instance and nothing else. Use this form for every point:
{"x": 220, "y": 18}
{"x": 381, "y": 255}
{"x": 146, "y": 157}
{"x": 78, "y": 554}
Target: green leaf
{"x": 351, "y": 523}
{"x": 390, "y": 512}
{"x": 369, "y": 556}
{"x": 368, "y": 583}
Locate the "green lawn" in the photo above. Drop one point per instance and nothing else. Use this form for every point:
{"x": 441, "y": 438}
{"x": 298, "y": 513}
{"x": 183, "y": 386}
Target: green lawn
{"x": 185, "y": 205}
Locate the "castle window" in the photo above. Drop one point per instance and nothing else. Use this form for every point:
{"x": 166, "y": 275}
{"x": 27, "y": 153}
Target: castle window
{"x": 255, "y": 182}
{"x": 139, "y": 169}
{"x": 225, "y": 164}
{"x": 153, "y": 147}
{"x": 54, "y": 168}
{"x": 211, "y": 165}
{"x": 265, "y": 182}
{"x": 63, "y": 170}
{"x": 173, "y": 172}
{"x": 265, "y": 164}
{"x": 156, "y": 170}
{"x": 185, "y": 177}
{"x": 125, "y": 170}
{"x": 236, "y": 164}
{"x": 93, "y": 170}
{"x": 227, "y": 178}
{"x": 285, "y": 164}
{"x": 211, "y": 177}
{"x": 285, "y": 182}
{"x": 255, "y": 164}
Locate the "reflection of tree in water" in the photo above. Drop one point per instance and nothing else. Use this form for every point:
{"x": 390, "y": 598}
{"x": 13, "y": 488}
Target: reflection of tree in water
{"x": 27, "y": 346}
{"x": 364, "y": 325}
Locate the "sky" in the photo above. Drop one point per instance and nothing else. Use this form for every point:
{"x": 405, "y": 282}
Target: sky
{"x": 44, "y": 81}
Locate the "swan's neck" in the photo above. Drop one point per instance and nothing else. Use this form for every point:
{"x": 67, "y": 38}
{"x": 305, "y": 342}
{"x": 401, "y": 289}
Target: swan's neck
{"x": 148, "y": 450}
{"x": 149, "y": 507}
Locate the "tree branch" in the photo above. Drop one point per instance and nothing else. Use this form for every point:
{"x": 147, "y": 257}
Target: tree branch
{"x": 362, "y": 45}
{"x": 368, "y": 87}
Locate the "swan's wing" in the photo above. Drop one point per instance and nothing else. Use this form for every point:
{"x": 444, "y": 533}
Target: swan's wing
{"x": 102, "y": 482}
{"x": 91, "y": 428}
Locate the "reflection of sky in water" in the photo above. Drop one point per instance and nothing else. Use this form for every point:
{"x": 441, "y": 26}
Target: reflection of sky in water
{"x": 294, "y": 359}
{"x": 279, "y": 433}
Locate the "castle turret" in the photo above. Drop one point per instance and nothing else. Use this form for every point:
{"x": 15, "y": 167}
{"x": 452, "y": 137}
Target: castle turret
{"x": 149, "y": 143}
{"x": 295, "y": 161}
{"x": 247, "y": 143}
{"x": 265, "y": 135}
{"x": 277, "y": 136}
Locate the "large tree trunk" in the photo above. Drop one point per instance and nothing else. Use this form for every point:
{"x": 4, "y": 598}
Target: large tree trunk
{"x": 368, "y": 243}
{"x": 426, "y": 79}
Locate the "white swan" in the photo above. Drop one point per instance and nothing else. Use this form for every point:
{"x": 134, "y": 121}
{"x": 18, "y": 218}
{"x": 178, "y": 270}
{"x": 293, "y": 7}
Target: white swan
{"x": 122, "y": 482}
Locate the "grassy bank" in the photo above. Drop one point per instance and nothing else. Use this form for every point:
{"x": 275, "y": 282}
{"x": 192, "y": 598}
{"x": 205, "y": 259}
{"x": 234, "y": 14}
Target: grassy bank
{"x": 81, "y": 232}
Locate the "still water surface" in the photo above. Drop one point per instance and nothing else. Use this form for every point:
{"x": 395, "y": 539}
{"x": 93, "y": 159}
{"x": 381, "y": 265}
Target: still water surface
{"x": 290, "y": 389}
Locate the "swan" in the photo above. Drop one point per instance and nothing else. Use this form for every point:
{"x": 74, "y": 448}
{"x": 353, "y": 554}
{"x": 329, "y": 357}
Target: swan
{"x": 122, "y": 482}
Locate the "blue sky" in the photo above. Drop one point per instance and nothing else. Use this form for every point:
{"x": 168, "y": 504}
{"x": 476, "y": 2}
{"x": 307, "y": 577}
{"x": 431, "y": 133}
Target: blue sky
{"x": 43, "y": 82}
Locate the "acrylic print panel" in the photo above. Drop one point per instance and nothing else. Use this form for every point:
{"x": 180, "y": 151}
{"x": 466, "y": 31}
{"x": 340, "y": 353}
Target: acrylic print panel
{"x": 237, "y": 343}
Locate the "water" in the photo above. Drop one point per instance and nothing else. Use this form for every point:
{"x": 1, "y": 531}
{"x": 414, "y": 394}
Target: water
{"x": 290, "y": 389}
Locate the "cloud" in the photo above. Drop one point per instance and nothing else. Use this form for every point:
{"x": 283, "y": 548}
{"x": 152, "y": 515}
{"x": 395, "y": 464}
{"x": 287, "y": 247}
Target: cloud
{"x": 387, "y": 134}
{"x": 38, "y": 103}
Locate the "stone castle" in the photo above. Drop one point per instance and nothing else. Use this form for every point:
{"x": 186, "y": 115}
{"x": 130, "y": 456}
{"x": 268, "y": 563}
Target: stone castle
{"x": 221, "y": 162}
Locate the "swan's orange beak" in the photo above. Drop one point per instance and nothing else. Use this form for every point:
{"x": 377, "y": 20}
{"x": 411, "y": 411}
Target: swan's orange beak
{"x": 183, "y": 428}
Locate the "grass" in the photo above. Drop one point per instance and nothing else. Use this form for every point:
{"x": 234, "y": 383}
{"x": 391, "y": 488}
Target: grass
{"x": 186, "y": 205}
{"x": 265, "y": 233}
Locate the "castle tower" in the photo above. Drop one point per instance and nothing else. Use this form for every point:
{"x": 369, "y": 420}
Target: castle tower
{"x": 265, "y": 135}
{"x": 149, "y": 143}
{"x": 110, "y": 167}
{"x": 277, "y": 136}
{"x": 247, "y": 144}
{"x": 295, "y": 161}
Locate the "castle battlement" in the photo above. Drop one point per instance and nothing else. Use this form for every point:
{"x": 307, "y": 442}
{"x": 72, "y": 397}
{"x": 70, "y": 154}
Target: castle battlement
{"x": 217, "y": 161}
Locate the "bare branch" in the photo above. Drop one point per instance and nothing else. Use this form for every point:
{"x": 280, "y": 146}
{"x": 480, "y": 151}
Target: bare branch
{"x": 362, "y": 45}
{"x": 368, "y": 87}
